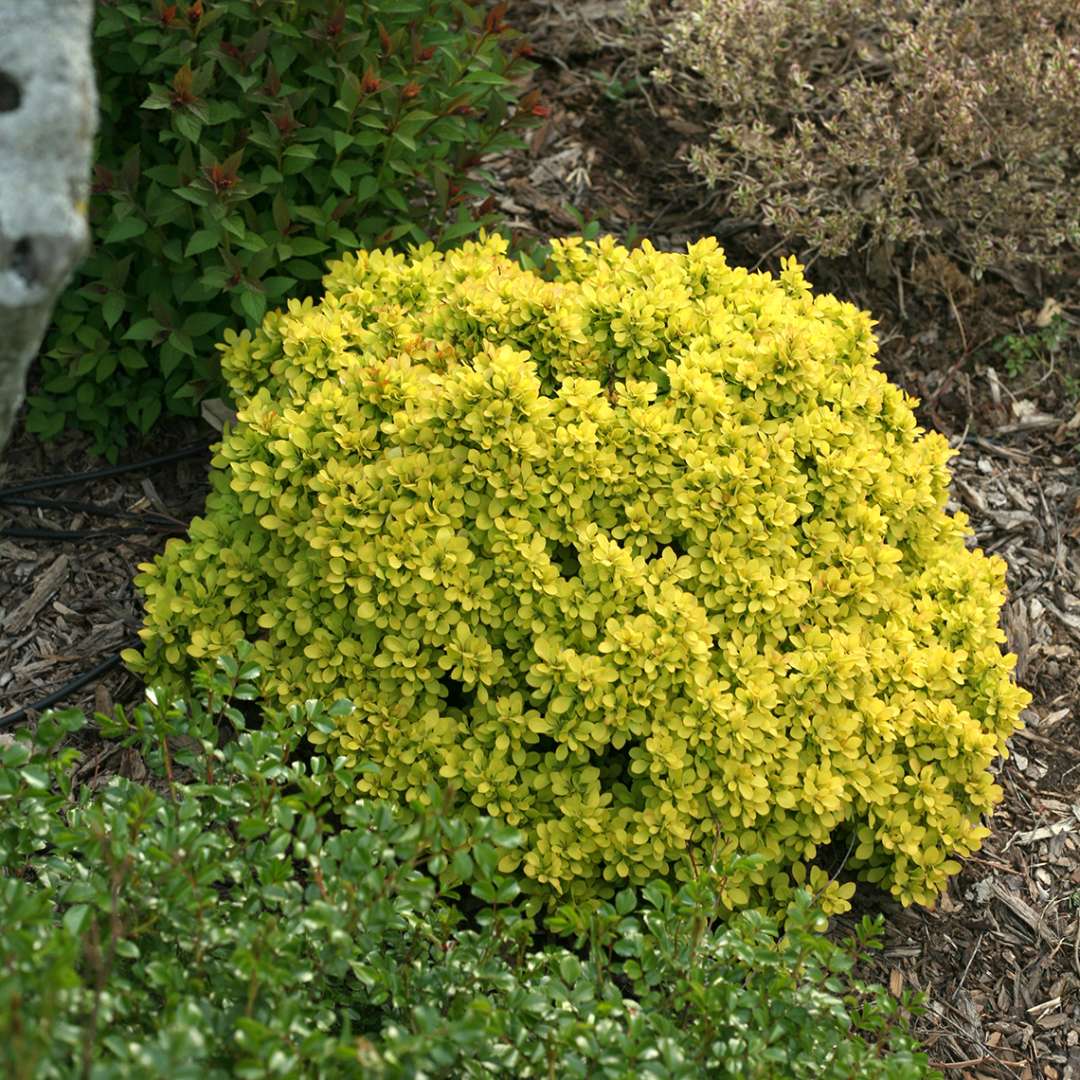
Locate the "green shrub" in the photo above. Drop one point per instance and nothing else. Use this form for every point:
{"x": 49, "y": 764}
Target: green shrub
{"x": 854, "y": 124}
{"x": 643, "y": 560}
{"x": 244, "y": 142}
{"x": 218, "y": 922}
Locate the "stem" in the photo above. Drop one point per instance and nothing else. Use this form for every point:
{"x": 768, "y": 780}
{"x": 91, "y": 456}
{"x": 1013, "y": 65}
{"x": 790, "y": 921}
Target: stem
{"x": 90, "y": 1028}
{"x": 253, "y": 989}
{"x": 168, "y": 765}
{"x": 391, "y": 127}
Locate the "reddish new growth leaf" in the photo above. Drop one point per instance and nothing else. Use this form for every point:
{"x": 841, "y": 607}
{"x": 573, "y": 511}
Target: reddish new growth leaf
{"x": 103, "y": 180}
{"x": 336, "y": 23}
{"x": 168, "y": 15}
{"x": 343, "y": 208}
{"x": 272, "y": 86}
{"x": 370, "y": 82}
{"x": 182, "y": 92}
{"x": 195, "y": 12}
{"x": 531, "y": 105}
{"x": 493, "y": 24}
{"x": 220, "y": 178}
{"x": 410, "y": 90}
{"x": 285, "y": 122}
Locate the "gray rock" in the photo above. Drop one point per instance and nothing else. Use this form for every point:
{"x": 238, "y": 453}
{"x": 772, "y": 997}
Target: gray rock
{"x": 48, "y": 115}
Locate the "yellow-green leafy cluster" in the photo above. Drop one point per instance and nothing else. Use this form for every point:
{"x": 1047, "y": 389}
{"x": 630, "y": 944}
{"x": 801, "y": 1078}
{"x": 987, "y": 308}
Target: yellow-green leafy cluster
{"x": 644, "y": 557}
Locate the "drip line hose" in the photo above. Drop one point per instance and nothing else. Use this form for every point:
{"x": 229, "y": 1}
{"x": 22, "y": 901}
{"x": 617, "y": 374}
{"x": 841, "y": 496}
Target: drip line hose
{"x": 112, "y": 470}
{"x": 150, "y": 517}
{"x": 63, "y": 536}
{"x": 69, "y": 688}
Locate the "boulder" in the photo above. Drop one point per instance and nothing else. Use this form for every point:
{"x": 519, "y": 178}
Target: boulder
{"x": 48, "y": 115}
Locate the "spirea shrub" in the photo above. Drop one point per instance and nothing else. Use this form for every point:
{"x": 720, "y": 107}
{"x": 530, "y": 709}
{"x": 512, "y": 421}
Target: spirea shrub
{"x": 242, "y": 144}
{"x": 855, "y": 124}
{"x": 647, "y": 560}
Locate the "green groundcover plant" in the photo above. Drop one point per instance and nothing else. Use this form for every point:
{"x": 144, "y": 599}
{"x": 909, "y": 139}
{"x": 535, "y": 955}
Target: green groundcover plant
{"x": 220, "y": 920}
{"x": 643, "y": 556}
{"x": 241, "y": 144}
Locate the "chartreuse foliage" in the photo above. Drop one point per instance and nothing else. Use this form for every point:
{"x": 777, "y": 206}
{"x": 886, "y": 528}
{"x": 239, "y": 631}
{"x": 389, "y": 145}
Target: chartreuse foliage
{"x": 646, "y": 560}
{"x": 219, "y": 922}
{"x": 243, "y": 143}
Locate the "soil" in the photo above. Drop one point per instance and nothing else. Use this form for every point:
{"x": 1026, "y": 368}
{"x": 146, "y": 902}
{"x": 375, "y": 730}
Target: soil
{"x": 998, "y": 957}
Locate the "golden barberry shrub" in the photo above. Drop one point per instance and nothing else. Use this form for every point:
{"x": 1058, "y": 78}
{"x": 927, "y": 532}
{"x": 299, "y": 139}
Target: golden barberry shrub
{"x": 648, "y": 560}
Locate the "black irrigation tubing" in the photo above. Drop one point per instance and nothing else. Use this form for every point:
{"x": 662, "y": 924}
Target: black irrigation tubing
{"x": 91, "y": 508}
{"x": 193, "y": 450}
{"x": 61, "y": 536}
{"x": 69, "y": 688}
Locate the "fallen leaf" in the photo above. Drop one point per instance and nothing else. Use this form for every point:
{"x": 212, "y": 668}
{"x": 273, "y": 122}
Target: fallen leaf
{"x": 1051, "y": 309}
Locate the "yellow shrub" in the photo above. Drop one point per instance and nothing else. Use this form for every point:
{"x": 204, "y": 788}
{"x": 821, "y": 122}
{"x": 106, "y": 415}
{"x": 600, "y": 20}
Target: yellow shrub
{"x": 648, "y": 560}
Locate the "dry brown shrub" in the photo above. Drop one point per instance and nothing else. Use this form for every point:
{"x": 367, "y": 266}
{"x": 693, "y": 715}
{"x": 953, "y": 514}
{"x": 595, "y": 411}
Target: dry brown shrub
{"x": 952, "y": 125}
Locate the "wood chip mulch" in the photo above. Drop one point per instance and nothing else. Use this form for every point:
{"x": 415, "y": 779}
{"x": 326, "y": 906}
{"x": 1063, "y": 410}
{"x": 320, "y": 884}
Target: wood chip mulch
{"x": 998, "y": 957}
{"x": 69, "y": 548}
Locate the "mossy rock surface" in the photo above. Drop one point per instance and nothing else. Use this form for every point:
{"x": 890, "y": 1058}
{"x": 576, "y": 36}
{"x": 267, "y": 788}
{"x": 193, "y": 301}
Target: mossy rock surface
{"x": 643, "y": 556}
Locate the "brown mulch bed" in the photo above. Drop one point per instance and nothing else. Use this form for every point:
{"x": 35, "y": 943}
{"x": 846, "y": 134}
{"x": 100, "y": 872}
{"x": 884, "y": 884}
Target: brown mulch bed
{"x": 998, "y": 958}
{"x": 68, "y": 553}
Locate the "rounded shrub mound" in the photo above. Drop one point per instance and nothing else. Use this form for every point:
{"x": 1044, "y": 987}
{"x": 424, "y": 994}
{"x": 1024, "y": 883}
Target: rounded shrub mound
{"x": 647, "y": 560}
